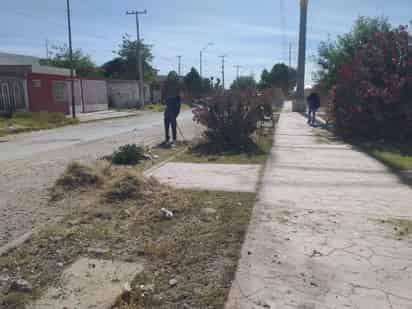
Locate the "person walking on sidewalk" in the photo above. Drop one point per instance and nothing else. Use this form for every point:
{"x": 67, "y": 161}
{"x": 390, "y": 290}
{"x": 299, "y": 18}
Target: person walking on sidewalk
{"x": 313, "y": 106}
{"x": 171, "y": 113}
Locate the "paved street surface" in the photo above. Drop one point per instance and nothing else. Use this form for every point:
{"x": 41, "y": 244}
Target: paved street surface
{"x": 326, "y": 231}
{"x": 30, "y": 163}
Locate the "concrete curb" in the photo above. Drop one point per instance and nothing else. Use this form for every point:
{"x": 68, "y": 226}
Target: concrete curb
{"x": 164, "y": 162}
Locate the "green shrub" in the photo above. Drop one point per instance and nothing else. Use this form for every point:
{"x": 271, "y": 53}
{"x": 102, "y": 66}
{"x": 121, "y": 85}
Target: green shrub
{"x": 129, "y": 154}
{"x": 231, "y": 118}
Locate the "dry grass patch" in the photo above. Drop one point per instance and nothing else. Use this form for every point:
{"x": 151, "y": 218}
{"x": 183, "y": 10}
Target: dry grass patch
{"x": 197, "y": 248}
{"x": 76, "y": 177}
{"x": 256, "y": 152}
{"x": 130, "y": 186}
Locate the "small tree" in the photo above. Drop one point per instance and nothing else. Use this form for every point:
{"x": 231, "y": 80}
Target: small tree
{"x": 193, "y": 83}
{"x": 83, "y": 64}
{"x": 281, "y": 76}
{"x": 244, "y": 83}
{"x": 124, "y": 65}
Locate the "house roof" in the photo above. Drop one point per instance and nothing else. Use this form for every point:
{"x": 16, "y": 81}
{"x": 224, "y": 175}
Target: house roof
{"x": 23, "y": 70}
{"x": 15, "y": 59}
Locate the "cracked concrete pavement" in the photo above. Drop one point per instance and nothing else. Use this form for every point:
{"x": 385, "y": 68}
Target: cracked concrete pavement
{"x": 30, "y": 163}
{"x": 323, "y": 233}
{"x": 218, "y": 177}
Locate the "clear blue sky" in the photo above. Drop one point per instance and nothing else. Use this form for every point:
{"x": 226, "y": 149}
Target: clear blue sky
{"x": 251, "y": 33}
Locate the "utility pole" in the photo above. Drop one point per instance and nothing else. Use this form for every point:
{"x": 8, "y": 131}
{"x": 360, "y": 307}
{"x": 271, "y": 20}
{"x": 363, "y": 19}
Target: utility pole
{"x": 139, "y": 65}
{"x": 179, "y": 65}
{"x": 71, "y": 60}
{"x": 223, "y": 71}
{"x": 290, "y": 55}
{"x": 299, "y": 105}
{"x": 237, "y": 70}
{"x": 47, "y": 49}
{"x": 201, "y": 57}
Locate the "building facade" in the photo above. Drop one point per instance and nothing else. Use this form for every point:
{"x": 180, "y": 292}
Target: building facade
{"x": 38, "y": 88}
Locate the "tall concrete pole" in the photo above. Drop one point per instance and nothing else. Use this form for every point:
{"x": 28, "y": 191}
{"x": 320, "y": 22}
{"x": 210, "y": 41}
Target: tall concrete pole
{"x": 200, "y": 66}
{"x": 300, "y": 105}
{"x": 179, "y": 65}
{"x": 237, "y": 70}
{"x": 139, "y": 64}
{"x": 223, "y": 71}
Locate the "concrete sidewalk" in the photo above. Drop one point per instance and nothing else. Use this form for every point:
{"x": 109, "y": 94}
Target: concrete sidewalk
{"x": 329, "y": 230}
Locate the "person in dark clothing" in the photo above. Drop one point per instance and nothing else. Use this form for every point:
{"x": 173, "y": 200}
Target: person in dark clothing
{"x": 170, "y": 117}
{"x": 313, "y": 106}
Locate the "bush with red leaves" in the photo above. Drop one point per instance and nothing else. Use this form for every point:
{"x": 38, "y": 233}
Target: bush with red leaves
{"x": 231, "y": 117}
{"x": 373, "y": 94}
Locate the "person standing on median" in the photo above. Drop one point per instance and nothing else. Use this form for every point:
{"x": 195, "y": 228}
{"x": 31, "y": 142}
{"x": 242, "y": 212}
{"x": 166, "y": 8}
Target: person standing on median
{"x": 313, "y": 106}
{"x": 171, "y": 113}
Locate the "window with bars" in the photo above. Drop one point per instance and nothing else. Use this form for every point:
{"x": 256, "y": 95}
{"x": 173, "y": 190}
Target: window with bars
{"x": 59, "y": 91}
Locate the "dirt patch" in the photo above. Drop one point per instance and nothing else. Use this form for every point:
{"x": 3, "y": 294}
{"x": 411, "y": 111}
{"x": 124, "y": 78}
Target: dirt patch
{"x": 190, "y": 258}
{"x": 131, "y": 186}
{"x": 256, "y": 152}
{"x": 401, "y": 227}
{"x": 76, "y": 177}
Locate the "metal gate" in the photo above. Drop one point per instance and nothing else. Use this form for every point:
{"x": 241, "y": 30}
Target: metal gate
{"x": 11, "y": 95}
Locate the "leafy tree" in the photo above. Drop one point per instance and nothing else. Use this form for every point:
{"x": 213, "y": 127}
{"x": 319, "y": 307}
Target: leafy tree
{"x": 265, "y": 80}
{"x": 83, "y": 64}
{"x": 244, "y": 83}
{"x": 281, "y": 76}
{"x": 125, "y": 65}
{"x": 333, "y": 54}
{"x": 115, "y": 68}
{"x": 193, "y": 83}
{"x": 371, "y": 97}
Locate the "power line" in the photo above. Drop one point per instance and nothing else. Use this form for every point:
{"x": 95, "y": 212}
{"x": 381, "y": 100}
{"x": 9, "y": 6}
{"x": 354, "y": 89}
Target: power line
{"x": 47, "y": 49}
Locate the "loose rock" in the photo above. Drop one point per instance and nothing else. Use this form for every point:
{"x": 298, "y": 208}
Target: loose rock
{"x": 209, "y": 211}
{"x": 173, "y": 282}
{"x": 98, "y": 251}
{"x": 21, "y": 285}
{"x": 166, "y": 213}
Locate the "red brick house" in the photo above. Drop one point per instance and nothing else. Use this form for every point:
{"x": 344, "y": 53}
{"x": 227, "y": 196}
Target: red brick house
{"x": 44, "y": 88}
